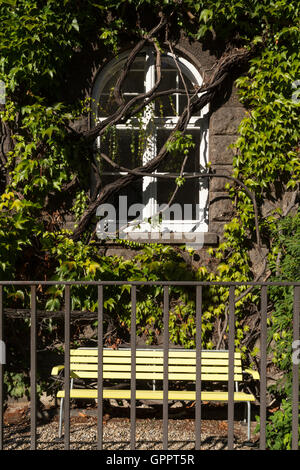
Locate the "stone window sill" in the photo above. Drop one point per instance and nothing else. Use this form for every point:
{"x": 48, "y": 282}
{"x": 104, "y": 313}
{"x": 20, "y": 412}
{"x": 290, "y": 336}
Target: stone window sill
{"x": 204, "y": 238}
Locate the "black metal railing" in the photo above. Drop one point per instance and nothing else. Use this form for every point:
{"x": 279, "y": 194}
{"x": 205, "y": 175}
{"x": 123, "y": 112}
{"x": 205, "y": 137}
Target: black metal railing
{"x": 199, "y": 286}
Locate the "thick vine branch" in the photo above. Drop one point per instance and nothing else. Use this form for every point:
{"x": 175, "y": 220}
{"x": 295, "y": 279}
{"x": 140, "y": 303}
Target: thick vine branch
{"x": 125, "y": 109}
{"x": 117, "y": 90}
{"x": 17, "y": 313}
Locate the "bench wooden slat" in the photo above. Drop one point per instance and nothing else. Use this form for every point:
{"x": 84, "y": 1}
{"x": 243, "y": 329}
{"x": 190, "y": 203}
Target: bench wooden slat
{"x": 154, "y": 368}
{"x": 186, "y": 353}
{"x": 158, "y": 395}
{"x": 156, "y": 376}
{"x": 154, "y": 361}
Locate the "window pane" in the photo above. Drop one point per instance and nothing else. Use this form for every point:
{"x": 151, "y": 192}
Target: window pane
{"x": 183, "y": 98}
{"x": 174, "y": 161}
{"x": 166, "y": 105}
{"x": 123, "y": 146}
{"x": 132, "y": 85}
{"x": 106, "y": 105}
{"x": 186, "y": 194}
{"x": 134, "y": 82}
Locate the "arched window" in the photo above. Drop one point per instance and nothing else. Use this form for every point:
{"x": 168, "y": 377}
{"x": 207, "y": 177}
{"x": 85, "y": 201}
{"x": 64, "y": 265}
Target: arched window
{"x": 138, "y": 141}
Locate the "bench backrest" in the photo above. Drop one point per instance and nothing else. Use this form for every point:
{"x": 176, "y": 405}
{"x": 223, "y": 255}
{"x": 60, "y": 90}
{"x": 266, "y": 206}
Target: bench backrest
{"x": 149, "y": 364}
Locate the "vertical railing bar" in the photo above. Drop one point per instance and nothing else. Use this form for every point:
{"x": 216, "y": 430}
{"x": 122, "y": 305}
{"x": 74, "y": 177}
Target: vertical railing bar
{"x": 67, "y": 368}
{"x": 295, "y": 371}
{"x": 263, "y": 368}
{"x": 133, "y": 369}
{"x": 1, "y": 371}
{"x": 231, "y": 370}
{"x": 33, "y": 362}
{"x": 166, "y": 368}
{"x": 198, "y": 367}
{"x": 100, "y": 370}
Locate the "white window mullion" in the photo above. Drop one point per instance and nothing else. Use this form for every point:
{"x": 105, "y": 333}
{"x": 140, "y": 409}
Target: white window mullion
{"x": 203, "y": 184}
{"x": 177, "y": 94}
{"x": 149, "y": 184}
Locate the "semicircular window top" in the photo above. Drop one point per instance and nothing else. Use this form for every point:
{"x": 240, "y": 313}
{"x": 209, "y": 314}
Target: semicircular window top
{"x": 149, "y": 205}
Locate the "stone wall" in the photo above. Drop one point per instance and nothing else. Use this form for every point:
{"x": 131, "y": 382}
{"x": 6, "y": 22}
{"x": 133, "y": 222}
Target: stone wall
{"x": 223, "y": 131}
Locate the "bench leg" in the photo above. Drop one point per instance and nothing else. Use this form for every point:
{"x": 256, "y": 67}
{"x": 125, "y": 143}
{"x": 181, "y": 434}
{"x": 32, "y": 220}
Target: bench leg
{"x": 61, "y": 410}
{"x": 249, "y": 420}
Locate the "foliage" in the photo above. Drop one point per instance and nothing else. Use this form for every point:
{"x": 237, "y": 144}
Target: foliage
{"x": 152, "y": 263}
{"x": 281, "y": 332}
{"x": 279, "y": 428}
{"x": 267, "y": 160}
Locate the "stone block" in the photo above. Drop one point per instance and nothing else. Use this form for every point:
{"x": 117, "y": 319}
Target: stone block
{"x": 220, "y": 208}
{"x": 218, "y": 228}
{"x": 218, "y": 184}
{"x": 225, "y": 121}
{"x": 228, "y": 97}
{"x": 219, "y": 150}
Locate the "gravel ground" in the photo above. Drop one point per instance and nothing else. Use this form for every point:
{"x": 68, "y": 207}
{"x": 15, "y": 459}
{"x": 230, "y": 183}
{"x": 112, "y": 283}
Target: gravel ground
{"x": 116, "y": 434}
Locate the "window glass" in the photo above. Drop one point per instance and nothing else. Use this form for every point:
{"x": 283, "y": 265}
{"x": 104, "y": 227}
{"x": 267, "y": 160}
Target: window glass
{"x": 123, "y": 146}
{"x": 187, "y": 194}
{"x": 173, "y": 163}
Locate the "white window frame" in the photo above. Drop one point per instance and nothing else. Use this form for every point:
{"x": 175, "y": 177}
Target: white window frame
{"x": 200, "y": 224}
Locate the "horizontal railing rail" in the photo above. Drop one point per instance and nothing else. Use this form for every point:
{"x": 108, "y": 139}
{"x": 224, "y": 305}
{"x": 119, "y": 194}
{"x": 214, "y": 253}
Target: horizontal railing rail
{"x": 199, "y": 286}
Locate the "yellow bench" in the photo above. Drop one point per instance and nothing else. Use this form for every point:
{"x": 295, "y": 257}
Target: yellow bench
{"x": 149, "y": 366}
